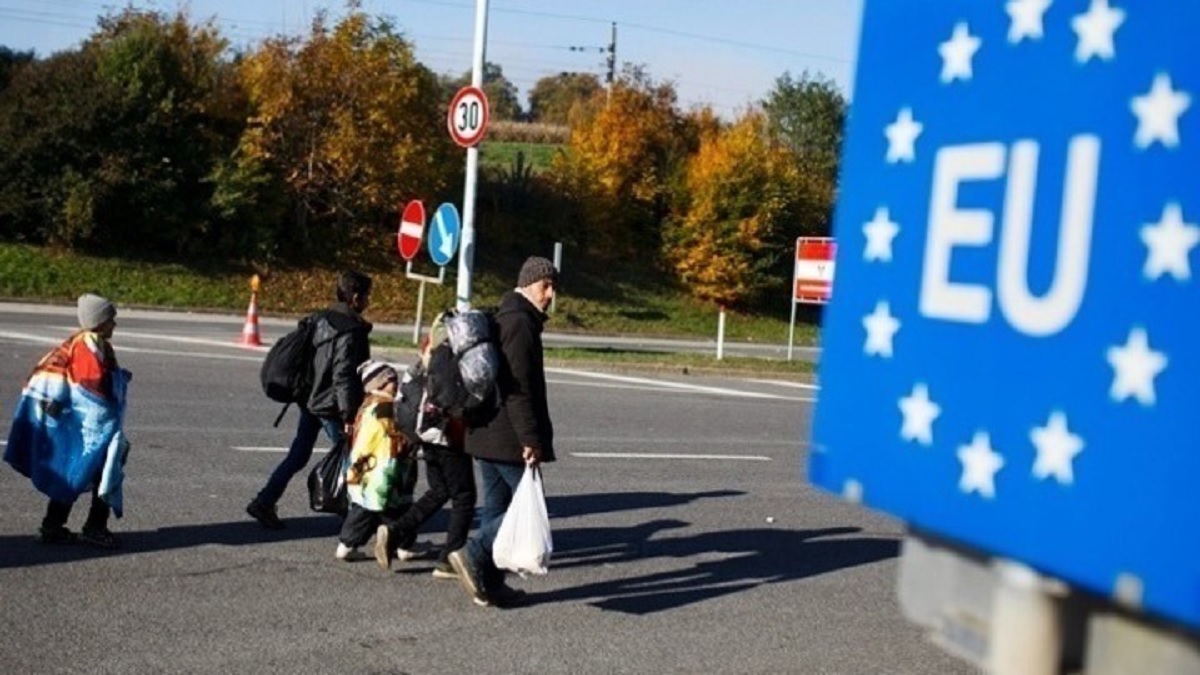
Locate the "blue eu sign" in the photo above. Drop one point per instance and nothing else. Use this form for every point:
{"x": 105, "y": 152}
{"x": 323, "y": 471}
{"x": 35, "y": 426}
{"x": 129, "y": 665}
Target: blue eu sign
{"x": 1013, "y": 347}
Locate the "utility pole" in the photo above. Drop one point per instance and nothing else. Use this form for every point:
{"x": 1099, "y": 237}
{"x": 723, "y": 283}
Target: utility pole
{"x": 612, "y": 59}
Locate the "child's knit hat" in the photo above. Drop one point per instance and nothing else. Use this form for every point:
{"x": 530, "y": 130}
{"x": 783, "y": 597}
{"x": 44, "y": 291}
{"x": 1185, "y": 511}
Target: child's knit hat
{"x": 376, "y": 374}
{"x": 94, "y": 310}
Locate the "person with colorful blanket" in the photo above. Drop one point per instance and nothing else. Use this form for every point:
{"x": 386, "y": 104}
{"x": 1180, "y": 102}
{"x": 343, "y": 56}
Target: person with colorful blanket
{"x": 67, "y": 433}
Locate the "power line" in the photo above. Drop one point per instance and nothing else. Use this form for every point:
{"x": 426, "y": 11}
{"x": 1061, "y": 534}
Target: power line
{"x": 643, "y": 27}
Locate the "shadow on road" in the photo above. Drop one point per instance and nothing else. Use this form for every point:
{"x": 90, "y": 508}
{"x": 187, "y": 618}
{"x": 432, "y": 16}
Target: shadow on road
{"x": 577, "y": 505}
{"x": 746, "y": 559}
{"x": 23, "y": 551}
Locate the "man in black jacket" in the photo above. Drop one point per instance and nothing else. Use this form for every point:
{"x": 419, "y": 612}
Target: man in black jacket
{"x": 518, "y": 434}
{"x": 341, "y": 344}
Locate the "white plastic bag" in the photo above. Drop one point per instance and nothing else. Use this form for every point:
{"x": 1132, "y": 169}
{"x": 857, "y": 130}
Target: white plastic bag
{"x": 523, "y": 543}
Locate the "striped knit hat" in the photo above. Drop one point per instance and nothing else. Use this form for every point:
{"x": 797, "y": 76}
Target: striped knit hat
{"x": 376, "y": 374}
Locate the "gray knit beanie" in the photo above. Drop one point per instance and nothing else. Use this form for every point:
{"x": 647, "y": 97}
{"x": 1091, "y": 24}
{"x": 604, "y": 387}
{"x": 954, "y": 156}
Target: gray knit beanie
{"x": 534, "y": 270}
{"x": 94, "y": 310}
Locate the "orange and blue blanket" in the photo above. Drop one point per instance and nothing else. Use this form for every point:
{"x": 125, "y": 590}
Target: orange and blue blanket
{"x": 67, "y": 438}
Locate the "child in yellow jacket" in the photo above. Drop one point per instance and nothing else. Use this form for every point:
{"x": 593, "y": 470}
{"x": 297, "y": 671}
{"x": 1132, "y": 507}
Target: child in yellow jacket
{"x": 382, "y": 475}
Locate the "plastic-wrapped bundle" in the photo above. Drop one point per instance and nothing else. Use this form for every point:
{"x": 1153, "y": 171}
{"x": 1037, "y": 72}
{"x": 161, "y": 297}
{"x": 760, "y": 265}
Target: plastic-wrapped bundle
{"x": 476, "y": 358}
{"x": 479, "y": 367}
{"x": 466, "y": 329}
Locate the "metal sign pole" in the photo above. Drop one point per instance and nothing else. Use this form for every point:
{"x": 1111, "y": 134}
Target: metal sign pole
{"x": 721, "y": 333}
{"x": 795, "y": 282}
{"x": 466, "y": 257}
{"x": 792, "y": 325}
{"x": 420, "y": 311}
{"x": 557, "y": 266}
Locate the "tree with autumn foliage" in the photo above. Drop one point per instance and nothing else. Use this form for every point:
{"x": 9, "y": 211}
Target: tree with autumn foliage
{"x": 349, "y": 120}
{"x": 740, "y": 202}
{"x": 623, "y": 152}
{"x": 110, "y": 146}
{"x": 555, "y": 97}
{"x": 806, "y": 114}
{"x": 500, "y": 91}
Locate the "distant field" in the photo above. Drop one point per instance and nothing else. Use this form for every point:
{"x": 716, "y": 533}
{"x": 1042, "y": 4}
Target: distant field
{"x": 503, "y": 154}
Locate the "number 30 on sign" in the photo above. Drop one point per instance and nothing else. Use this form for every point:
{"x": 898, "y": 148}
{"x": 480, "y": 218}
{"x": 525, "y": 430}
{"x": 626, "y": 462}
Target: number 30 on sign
{"x": 467, "y": 118}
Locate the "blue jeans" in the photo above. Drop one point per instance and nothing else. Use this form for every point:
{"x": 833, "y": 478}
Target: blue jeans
{"x": 299, "y": 453}
{"x": 497, "y": 482}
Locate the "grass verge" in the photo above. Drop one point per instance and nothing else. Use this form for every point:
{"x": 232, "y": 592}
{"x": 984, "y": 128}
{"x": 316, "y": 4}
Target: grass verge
{"x": 632, "y": 306}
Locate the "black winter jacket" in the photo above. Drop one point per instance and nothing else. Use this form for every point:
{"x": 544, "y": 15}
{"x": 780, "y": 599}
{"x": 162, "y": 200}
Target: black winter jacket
{"x": 337, "y": 388}
{"x": 524, "y": 415}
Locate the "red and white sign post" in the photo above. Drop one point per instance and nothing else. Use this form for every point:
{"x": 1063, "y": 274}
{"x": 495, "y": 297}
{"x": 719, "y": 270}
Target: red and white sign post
{"x": 412, "y": 229}
{"x": 408, "y": 242}
{"x": 812, "y": 281}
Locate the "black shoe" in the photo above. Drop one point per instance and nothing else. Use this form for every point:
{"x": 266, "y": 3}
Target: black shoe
{"x": 265, "y": 515}
{"x": 505, "y": 596}
{"x": 468, "y": 575}
{"x": 100, "y": 537}
{"x": 56, "y": 535}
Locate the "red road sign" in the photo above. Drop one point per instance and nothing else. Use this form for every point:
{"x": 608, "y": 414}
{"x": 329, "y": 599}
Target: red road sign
{"x": 813, "y": 281}
{"x": 467, "y": 118}
{"x": 412, "y": 228}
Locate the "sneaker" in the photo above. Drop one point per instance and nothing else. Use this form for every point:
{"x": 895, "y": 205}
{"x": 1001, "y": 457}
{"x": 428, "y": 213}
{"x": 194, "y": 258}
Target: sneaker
{"x": 443, "y": 570}
{"x": 412, "y": 551}
{"x": 468, "y": 576}
{"x": 383, "y": 552}
{"x": 56, "y": 535}
{"x": 264, "y": 514}
{"x": 100, "y": 537}
{"x": 505, "y": 596}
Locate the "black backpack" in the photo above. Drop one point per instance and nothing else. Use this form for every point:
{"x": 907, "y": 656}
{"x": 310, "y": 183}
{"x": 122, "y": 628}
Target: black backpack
{"x": 287, "y": 371}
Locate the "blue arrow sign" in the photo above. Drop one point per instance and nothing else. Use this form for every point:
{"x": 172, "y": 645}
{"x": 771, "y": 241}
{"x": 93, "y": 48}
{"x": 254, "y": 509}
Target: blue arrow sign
{"x": 1012, "y": 348}
{"x": 443, "y": 235}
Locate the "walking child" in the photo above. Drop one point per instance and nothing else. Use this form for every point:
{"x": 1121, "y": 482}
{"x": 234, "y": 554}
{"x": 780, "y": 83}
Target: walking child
{"x": 382, "y": 475}
{"x": 67, "y": 433}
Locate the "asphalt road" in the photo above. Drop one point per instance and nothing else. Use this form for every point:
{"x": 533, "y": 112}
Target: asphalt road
{"x": 686, "y": 539}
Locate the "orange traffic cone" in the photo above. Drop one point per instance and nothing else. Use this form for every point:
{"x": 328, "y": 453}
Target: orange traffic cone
{"x": 250, "y": 336}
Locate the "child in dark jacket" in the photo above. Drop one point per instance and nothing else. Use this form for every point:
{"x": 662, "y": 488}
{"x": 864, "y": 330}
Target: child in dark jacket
{"x": 448, "y": 469}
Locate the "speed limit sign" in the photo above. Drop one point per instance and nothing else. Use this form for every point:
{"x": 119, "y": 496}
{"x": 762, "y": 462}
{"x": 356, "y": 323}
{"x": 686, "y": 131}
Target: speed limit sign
{"x": 467, "y": 118}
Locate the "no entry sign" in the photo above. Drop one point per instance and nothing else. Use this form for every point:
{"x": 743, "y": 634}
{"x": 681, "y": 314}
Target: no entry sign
{"x": 814, "y": 270}
{"x": 412, "y": 227}
{"x": 467, "y": 118}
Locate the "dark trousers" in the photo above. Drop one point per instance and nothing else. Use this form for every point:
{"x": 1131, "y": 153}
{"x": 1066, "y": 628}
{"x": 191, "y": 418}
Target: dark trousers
{"x": 298, "y": 454}
{"x": 451, "y": 478}
{"x": 57, "y": 514}
{"x": 360, "y": 524}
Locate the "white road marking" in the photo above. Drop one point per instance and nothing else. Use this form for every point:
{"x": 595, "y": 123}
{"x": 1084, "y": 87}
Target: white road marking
{"x": 669, "y": 385}
{"x": 784, "y": 383}
{"x": 231, "y": 343}
{"x": 37, "y": 339}
{"x": 689, "y": 442}
{"x": 664, "y": 455}
{"x": 267, "y": 448}
{"x": 588, "y": 455}
{"x": 614, "y": 381}
{"x": 166, "y": 337}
